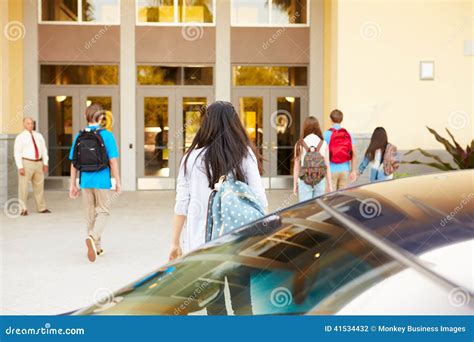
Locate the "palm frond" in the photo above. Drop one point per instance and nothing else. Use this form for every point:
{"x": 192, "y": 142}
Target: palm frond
{"x": 439, "y": 166}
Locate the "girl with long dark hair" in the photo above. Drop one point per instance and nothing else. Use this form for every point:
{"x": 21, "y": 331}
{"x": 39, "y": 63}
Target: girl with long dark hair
{"x": 221, "y": 147}
{"x": 374, "y": 156}
{"x": 311, "y": 136}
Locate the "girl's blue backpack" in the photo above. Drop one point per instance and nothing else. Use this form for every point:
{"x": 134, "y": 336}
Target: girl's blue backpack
{"x": 232, "y": 204}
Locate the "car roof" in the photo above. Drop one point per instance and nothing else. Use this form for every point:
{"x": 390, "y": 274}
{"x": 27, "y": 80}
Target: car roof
{"x": 417, "y": 213}
{"x": 443, "y": 191}
{"x": 410, "y": 213}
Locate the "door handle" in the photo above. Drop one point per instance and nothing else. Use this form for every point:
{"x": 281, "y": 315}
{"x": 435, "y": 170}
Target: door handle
{"x": 265, "y": 146}
{"x": 274, "y": 146}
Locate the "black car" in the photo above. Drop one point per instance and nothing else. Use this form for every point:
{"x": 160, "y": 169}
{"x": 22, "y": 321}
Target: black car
{"x": 396, "y": 247}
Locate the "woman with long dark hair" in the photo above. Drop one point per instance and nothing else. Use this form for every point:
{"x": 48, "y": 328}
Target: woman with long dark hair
{"x": 221, "y": 147}
{"x": 374, "y": 156}
{"x": 311, "y": 139}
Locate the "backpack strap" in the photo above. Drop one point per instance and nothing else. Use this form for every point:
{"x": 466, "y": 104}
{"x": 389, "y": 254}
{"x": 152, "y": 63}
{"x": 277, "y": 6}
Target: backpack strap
{"x": 319, "y": 145}
{"x": 218, "y": 185}
{"x": 99, "y": 137}
{"x": 305, "y": 146}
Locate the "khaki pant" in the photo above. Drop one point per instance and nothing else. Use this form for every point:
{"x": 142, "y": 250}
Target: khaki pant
{"x": 34, "y": 174}
{"x": 339, "y": 180}
{"x": 97, "y": 210}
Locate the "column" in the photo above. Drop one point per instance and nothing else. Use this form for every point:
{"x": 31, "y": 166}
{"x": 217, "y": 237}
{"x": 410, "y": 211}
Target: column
{"x": 316, "y": 59}
{"x": 223, "y": 66}
{"x": 127, "y": 95}
{"x": 30, "y": 61}
{"x": 4, "y": 83}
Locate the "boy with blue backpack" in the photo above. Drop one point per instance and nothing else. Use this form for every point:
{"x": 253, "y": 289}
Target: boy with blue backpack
{"x": 94, "y": 155}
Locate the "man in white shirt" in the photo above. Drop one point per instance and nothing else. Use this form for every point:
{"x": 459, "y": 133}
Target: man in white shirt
{"x": 31, "y": 158}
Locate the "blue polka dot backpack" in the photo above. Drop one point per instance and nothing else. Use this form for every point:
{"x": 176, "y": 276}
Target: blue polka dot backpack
{"x": 232, "y": 204}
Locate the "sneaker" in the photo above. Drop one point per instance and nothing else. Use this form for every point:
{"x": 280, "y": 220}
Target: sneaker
{"x": 91, "y": 250}
{"x": 100, "y": 252}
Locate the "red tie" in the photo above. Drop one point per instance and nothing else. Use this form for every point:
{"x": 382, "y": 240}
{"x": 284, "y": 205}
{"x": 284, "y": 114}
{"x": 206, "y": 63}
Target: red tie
{"x": 36, "y": 147}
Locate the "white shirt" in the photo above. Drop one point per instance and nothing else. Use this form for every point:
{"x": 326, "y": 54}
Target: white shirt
{"x": 192, "y": 195}
{"x": 313, "y": 140}
{"x": 377, "y": 162}
{"x": 24, "y": 148}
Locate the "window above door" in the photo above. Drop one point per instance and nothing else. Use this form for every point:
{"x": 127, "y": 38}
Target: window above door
{"x": 247, "y": 75}
{"x": 79, "y": 74}
{"x": 291, "y": 13}
{"x": 175, "y": 12}
{"x": 96, "y": 12}
{"x": 175, "y": 75}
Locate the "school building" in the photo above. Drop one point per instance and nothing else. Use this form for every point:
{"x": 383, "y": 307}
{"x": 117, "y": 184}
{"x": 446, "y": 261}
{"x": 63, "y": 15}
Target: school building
{"x": 153, "y": 64}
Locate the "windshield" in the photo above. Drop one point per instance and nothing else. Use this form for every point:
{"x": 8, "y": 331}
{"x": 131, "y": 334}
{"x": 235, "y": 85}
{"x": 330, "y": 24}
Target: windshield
{"x": 289, "y": 263}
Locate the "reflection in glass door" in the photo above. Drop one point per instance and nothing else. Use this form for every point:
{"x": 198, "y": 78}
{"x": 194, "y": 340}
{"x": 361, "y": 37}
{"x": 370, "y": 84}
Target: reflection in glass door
{"x": 192, "y": 110}
{"x": 251, "y": 114}
{"x": 156, "y": 137}
{"x": 287, "y": 124}
{"x": 59, "y": 133}
{"x": 191, "y": 102}
{"x": 156, "y": 124}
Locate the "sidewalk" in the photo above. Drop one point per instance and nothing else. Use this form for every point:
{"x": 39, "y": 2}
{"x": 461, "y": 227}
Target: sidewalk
{"x": 44, "y": 269}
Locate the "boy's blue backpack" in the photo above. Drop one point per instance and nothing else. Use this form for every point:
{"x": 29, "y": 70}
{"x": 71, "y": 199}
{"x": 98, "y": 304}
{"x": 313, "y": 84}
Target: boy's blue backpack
{"x": 231, "y": 204}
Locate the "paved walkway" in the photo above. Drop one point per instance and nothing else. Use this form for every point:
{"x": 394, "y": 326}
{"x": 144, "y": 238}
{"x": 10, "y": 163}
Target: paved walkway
{"x": 44, "y": 269}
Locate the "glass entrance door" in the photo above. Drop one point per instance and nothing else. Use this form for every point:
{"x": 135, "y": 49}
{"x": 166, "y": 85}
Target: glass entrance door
{"x": 288, "y": 108}
{"x": 58, "y": 121}
{"x": 62, "y": 111}
{"x": 168, "y": 119}
{"x": 273, "y": 118}
{"x": 253, "y": 106}
{"x": 155, "y": 144}
{"x": 190, "y": 103}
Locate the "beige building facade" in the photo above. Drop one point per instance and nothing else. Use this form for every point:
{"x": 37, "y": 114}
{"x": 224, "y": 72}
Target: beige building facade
{"x": 402, "y": 64}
